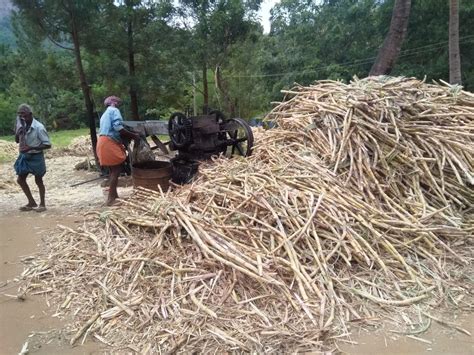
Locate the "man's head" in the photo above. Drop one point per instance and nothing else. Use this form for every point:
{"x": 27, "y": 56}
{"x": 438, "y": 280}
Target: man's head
{"x": 25, "y": 113}
{"x": 112, "y": 101}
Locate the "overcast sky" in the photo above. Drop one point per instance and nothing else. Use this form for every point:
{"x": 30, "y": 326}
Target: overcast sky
{"x": 265, "y": 13}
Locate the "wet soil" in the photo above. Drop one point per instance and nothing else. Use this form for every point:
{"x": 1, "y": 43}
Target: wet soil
{"x": 29, "y": 320}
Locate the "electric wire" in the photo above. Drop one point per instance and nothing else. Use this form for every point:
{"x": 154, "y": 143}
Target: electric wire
{"x": 404, "y": 53}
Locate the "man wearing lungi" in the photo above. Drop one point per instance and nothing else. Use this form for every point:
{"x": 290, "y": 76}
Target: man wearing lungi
{"x": 33, "y": 139}
{"x": 110, "y": 149}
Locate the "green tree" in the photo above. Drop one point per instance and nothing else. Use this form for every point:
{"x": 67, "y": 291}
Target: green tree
{"x": 65, "y": 23}
{"x": 425, "y": 51}
{"x": 7, "y": 115}
{"x": 141, "y": 57}
{"x": 149, "y": 52}
{"x": 309, "y": 40}
{"x": 244, "y": 72}
{"x": 6, "y": 32}
{"x": 125, "y": 38}
{"x": 217, "y": 25}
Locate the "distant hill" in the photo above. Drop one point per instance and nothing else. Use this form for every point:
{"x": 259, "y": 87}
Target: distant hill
{"x": 6, "y": 32}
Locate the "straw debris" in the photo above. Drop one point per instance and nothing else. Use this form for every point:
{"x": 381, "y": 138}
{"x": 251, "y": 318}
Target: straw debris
{"x": 357, "y": 207}
{"x": 9, "y": 150}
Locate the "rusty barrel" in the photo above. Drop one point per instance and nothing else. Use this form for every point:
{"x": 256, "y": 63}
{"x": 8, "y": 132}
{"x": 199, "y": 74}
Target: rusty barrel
{"x": 150, "y": 174}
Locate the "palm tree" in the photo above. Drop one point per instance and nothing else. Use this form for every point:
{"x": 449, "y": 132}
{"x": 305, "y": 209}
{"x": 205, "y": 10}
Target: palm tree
{"x": 454, "y": 53}
{"x": 390, "y": 50}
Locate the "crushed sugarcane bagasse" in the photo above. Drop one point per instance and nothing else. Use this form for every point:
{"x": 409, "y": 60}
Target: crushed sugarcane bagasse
{"x": 355, "y": 208}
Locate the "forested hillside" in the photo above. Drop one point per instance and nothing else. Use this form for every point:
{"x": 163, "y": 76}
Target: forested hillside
{"x": 7, "y": 37}
{"x": 166, "y": 56}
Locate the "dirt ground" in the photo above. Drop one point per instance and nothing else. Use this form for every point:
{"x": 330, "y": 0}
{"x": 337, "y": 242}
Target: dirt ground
{"x": 58, "y": 179}
{"x": 29, "y": 320}
{"x": 32, "y": 321}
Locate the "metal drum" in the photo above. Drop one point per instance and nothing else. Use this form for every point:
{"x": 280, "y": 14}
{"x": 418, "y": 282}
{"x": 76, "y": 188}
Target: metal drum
{"x": 150, "y": 174}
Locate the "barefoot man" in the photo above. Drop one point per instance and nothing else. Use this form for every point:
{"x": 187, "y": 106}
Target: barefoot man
{"x": 32, "y": 138}
{"x": 110, "y": 150}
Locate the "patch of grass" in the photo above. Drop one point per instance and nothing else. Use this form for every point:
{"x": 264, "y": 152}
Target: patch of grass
{"x": 8, "y": 138}
{"x": 59, "y": 139}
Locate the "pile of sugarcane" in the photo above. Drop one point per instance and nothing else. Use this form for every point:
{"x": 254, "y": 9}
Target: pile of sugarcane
{"x": 356, "y": 208}
{"x": 8, "y": 149}
{"x": 79, "y": 146}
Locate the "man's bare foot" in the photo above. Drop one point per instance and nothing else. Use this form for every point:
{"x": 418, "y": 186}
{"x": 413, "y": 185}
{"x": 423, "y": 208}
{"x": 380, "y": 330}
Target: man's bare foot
{"x": 41, "y": 208}
{"x": 112, "y": 202}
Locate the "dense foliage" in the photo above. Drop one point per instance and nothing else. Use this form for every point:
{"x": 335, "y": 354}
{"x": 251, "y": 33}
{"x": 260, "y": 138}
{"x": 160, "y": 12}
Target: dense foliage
{"x": 161, "y": 56}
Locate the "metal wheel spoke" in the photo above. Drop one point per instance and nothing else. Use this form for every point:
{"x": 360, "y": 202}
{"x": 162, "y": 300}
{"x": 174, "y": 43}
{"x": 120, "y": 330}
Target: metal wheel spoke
{"x": 239, "y": 148}
{"x": 240, "y": 140}
{"x": 239, "y": 132}
{"x": 179, "y": 129}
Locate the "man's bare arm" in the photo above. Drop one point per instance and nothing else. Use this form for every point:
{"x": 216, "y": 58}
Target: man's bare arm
{"x": 40, "y": 147}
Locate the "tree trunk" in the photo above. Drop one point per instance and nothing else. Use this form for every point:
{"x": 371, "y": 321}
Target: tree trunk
{"x": 390, "y": 50}
{"x": 205, "y": 87}
{"x": 454, "y": 52}
{"x": 194, "y": 95}
{"x": 84, "y": 85}
{"x": 223, "y": 88}
{"x": 131, "y": 66}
